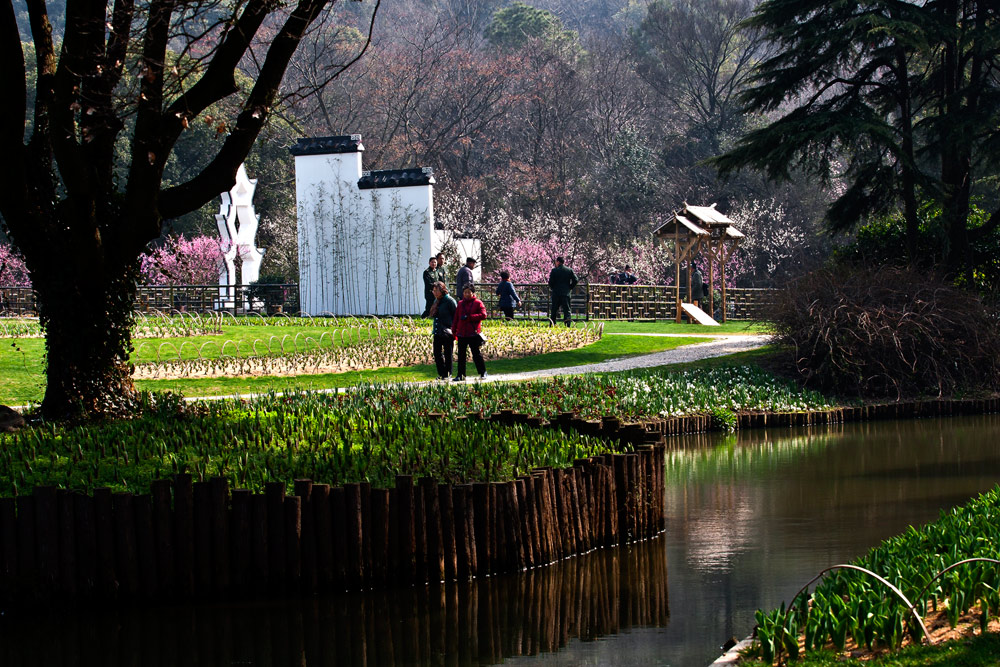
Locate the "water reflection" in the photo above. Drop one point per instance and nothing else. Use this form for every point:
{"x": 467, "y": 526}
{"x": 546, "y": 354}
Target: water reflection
{"x": 749, "y": 520}
{"x": 482, "y": 622}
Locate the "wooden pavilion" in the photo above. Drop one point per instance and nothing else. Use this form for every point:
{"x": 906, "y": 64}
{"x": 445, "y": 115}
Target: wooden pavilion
{"x": 697, "y": 229}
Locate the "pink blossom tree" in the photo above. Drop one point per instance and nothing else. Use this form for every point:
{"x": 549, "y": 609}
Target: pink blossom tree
{"x": 13, "y": 272}
{"x": 182, "y": 261}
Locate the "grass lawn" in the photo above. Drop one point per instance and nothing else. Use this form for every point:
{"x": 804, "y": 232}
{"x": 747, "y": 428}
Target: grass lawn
{"x": 22, "y": 376}
{"x": 671, "y": 327}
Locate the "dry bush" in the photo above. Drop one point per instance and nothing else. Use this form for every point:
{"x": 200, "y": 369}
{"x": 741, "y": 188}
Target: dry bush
{"x": 857, "y": 331}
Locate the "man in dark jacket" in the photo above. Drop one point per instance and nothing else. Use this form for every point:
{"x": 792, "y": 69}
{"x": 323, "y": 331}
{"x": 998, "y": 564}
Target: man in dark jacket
{"x": 430, "y": 277}
{"x": 562, "y": 280}
{"x": 464, "y": 277}
{"x": 442, "y": 270}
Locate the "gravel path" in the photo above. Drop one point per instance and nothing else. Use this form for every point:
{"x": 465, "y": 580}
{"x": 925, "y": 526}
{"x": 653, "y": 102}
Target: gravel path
{"x": 720, "y": 346}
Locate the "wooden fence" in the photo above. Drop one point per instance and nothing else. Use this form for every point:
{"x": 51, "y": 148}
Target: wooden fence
{"x": 588, "y": 301}
{"x": 190, "y": 539}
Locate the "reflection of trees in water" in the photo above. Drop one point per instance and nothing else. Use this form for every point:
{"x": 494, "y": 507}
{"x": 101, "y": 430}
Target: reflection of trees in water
{"x": 482, "y": 621}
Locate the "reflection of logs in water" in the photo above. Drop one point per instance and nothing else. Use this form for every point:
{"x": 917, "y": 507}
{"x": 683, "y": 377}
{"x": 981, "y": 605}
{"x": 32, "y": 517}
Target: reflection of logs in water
{"x": 482, "y": 621}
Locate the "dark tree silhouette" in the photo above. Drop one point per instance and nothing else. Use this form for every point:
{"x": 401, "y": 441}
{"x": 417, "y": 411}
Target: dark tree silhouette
{"x": 84, "y": 194}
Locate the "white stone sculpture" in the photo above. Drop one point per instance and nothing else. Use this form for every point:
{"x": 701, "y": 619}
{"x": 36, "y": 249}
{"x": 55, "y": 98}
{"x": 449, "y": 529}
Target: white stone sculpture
{"x": 237, "y": 223}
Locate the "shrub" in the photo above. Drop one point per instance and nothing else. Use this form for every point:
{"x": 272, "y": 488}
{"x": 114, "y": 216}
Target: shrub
{"x": 858, "y": 331}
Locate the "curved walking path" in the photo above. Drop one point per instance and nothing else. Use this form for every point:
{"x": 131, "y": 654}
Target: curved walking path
{"x": 718, "y": 347}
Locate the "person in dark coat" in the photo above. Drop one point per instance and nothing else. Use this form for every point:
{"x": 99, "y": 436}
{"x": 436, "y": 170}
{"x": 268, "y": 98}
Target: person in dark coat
{"x": 508, "y": 295}
{"x": 443, "y": 312}
{"x": 430, "y": 277}
{"x": 562, "y": 280}
{"x": 468, "y": 330}
{"x": 696, "y": 281}
{"x": 464, "y": 277}
{"x": 626, "y": 277}
{"x": 442, "y": 270}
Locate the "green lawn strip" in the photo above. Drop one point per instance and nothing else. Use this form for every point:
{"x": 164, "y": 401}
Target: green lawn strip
{"x": 602, "y": 350}
{"x": 671, "y": 327}
{"x": 978, "y": 651}
{"x": 22, "y": 375}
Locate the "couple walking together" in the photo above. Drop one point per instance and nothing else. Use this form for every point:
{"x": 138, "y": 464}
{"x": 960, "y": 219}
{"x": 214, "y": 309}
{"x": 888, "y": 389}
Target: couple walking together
{"x": 460, "y": 321}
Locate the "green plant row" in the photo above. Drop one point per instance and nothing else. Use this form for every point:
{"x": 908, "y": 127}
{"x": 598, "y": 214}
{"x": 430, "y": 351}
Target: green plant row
{"x": 639, "y": 394}
{"x": 851, "y": 605}
{"x": 279, "y": 439}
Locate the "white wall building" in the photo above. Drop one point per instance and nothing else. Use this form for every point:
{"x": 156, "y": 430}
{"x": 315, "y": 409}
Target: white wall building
{"x": 364, "y": 236}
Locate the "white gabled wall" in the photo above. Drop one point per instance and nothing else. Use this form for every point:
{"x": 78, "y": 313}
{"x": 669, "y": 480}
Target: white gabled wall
{"x": 361, "y": 252}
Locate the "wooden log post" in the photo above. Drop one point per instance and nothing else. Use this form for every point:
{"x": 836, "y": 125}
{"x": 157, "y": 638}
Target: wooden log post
{"x": 277, "y": 549}
{"x": 203, "y": 541}
{"x": 435, "y": 541}
{"x": 405, "y": 529}
{"x": 481, "y": 511}
{"x": 183, "y": 533}
{"x": 145, "y": 543}
{"x": 240, "y": 548}
{"x": 46, "y": 540}
{"x": 86, "y": 543}
{"x": 304, "y": 489}
{"x": 219, "y": 487}
{"x": 379, "y": 563}
{"x": 324, "y": 535}
{"x": 366, "y": 527}
{"x": 260, "y": 570}
{"x": 449, "y": 547}
{"x": 338, "y": 518}
{"x": 125, "y": 544}
{"x": 293, "y": 542}
{"x": 163, "y": 535}
{"x": 27, "y": 562}
{"x": 8, "y": 548}
{"x": 67, "y": 543}
{"x": 355, "y": 537}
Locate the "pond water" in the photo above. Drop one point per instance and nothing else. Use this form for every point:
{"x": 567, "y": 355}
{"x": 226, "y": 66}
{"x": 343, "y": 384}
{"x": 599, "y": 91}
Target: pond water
{"x": 750, "y": 518}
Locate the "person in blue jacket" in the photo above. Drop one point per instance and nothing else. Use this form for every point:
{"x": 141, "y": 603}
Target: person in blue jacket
{"x": 508, "y": 295}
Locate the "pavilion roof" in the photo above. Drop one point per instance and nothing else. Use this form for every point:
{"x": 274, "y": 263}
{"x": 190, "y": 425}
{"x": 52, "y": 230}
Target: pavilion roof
{"x": 699, "y": 221}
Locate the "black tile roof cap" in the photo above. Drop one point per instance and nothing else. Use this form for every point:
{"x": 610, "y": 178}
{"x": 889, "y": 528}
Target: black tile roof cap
{"x": 327, "y": 145}
{"x": 396, "y": 178}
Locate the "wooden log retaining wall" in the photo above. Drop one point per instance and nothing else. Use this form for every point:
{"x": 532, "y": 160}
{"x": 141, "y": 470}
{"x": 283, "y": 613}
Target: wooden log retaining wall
{"x": 200, "y": 539}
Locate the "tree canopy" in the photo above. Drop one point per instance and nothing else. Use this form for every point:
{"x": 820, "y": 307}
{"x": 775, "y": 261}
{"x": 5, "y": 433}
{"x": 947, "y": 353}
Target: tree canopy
{"x": 898, "y": 103}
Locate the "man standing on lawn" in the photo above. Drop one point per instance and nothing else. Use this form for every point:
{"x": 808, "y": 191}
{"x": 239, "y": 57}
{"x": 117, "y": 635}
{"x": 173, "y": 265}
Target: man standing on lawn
{"x": 430, "y": 277}
{"x": 464, "y": 277}
{"x": 562, "y": 280}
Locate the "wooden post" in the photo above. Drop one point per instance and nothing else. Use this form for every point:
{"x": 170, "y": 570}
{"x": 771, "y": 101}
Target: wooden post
{"x": 260, "y": 522}
{"x": 448, "y": 544}
{"x": 293, "y": 541}
{"x": 378, "y": 565}
{"x": 303, "y": 489}
{"x": 407, "y": 538}
{"x": 145, "y": 544}
{"x": 219, "y": 487}
{"x": 464, "y": 549}
{"x": 203, "y": 541}
{"x": 8, "y": 547}
{"x": 67, "y": 543}
{"x": 183, "y": 533}
{"x": 86, "y": 542}
{"x": 241, "y": 551}
{"x": 355, "y": 537}
{"x": 324, "y": 535}
{"x": 277, "y": 549}
{"x": 432, "y": 519}
{"x": 338, "y": 517}
{"x": 46, "y": 539}
{"x": 481, "y": 513}
{"x": 125, "y": 547}
{"x": 163, "y": 534}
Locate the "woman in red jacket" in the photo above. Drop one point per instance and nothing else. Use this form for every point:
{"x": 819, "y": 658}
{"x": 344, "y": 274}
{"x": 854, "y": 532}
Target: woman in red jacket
{"x": 467, "y": 328}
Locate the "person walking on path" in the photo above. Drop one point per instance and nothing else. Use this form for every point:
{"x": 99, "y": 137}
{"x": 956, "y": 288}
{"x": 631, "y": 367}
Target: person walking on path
{"x": 468, "y": 330}
{"x": 443, "y": 312}
{"x": 508, "y": 295}
{"x": 430, "y": 277}
{"x": 562, "y": 280}
{"x": 464, "y": 277}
